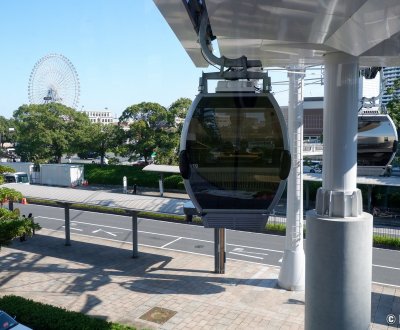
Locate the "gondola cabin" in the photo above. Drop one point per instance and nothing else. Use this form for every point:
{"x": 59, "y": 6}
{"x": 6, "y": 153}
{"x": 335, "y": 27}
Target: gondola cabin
{"x": 234, "y": 156}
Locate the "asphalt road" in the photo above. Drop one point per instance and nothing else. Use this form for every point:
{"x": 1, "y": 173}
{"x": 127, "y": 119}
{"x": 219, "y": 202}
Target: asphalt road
{"x": 188, "y": 238}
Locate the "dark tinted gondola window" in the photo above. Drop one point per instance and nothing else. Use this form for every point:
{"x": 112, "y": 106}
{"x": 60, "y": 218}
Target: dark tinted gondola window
{"x": 234, "y": 148}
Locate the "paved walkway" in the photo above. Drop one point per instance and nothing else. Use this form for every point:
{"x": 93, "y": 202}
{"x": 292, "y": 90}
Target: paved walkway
{"x": 101, "y": 197}
{"x": 99, "y": 278}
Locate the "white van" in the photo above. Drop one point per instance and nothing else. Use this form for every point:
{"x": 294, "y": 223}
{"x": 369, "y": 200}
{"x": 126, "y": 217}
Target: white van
{"x": 17, "y": 177}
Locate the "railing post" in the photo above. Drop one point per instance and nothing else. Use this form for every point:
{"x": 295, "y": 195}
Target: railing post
{"x": 219, "y": 250}
{"x": 67, "y": 225}
{"x": 135, "y": 252}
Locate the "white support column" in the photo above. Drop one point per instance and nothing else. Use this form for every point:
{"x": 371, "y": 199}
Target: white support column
{"x": 291, "y": 276}
{"x": 339, "y": 234}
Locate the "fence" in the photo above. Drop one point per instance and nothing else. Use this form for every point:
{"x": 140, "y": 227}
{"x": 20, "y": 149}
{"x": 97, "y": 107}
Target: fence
{"x": 385, "y": 226}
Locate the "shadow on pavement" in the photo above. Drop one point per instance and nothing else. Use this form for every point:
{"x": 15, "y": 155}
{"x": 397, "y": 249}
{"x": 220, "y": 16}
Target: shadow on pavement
{"x": 93, "y": 266}
{"x": 385, "y": 310}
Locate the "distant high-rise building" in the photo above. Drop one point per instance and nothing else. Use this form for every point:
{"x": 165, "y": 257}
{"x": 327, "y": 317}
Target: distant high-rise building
{"x": 390, "y": 74}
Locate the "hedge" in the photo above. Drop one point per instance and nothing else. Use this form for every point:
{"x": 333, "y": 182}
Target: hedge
{"x": 113, "y": 175}
{"x": 40, "y": 316}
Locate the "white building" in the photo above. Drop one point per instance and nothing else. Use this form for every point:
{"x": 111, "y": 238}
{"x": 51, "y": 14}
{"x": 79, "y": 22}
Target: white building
{"x": 104, "y": 117}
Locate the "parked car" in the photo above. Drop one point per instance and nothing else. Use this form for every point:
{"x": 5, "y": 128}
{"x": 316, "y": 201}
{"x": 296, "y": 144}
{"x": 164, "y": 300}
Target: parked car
{"x": 141, "y": 162}
{"x": 97, "y": 160}
{"x": 7, "y": 322}
{"x": 87, "y": 154}
{"x": 308, "y": 169}
{"x": 312, "y": 166}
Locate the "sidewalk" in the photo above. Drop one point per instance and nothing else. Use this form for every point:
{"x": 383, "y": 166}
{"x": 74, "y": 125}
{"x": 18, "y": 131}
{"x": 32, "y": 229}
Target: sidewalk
{"x": 144, "y": 191}
{"x": 99, "y": 278}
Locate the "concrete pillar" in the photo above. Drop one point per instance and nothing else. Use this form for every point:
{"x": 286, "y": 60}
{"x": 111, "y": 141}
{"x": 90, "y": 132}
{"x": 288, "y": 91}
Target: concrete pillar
{"x": 291, "y": 276}
{"x": 339, "y": 234}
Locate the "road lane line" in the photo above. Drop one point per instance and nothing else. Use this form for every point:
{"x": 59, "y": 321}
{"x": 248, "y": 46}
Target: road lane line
{"x": 72, "y": 228}
{"x": 201, "y": 254}
{"x": 101, "y": 230}
{"x": 245, "y": 255}
{"x": 175, "y": 240}
{"x": 249, "y": 252}
{"x": 386, "y": 284}
{"x": 189, "y": 238}
{"x": 388, "y": 267}
{"x": 255, "y": 248}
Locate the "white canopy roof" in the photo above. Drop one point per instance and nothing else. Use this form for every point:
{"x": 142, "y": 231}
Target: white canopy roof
{"x": 282, "y": 33}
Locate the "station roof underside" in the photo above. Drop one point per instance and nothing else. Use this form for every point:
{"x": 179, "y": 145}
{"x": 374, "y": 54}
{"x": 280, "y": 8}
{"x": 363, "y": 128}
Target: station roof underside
{"x": 301, "y": 32}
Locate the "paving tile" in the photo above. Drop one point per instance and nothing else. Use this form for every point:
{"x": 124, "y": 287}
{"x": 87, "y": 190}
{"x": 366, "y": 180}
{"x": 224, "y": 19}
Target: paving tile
{"x": 99, "y": 278}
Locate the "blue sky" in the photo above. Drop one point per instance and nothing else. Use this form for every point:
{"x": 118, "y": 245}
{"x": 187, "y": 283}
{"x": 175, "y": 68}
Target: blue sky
{"x": 123, "y": 50}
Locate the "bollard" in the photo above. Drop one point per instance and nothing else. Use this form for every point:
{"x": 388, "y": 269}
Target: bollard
{"x": 125, "y": 185}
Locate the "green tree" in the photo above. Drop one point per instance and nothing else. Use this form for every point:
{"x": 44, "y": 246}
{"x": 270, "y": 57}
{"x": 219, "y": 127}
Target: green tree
{"x": 153, "y": 128}
{"x": 148, "y": 128}
{"x": 178, "y": 111}
{"x": 47, "y": 131}
{"x": 167, "y": 152}
{"x": 393, "y": 106}
{"x": 9, "y": 194}
{"x": 5, "y": 169}
{"x": 103, "y": 138}
{"x": 6, "y": 131}
{"x": 11, "y": 223}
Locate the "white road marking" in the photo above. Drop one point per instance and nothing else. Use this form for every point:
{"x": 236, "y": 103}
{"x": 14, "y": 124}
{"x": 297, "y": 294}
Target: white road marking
{"x": 255, "y": 248}
{"x": 386, "y": 284}
{"x": 381, "y": 266}
{"x": 245, "y": 255}
{"x": 196, "y": 239}
{"x": 280, "y": 260}
{"x": 72, "y": 228}
{"x": 171, "y": 242}
{"x": 249, "y": 252}
{"x": 101, "y": 230}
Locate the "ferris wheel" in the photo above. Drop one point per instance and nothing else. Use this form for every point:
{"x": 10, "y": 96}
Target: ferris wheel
{"x": 54, "y": 79}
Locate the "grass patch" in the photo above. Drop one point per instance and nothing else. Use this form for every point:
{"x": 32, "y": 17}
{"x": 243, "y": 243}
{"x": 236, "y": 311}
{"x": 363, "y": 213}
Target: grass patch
{"x": 40, "y": 316}
{"x": 383, "y": 241}
{"x": 276, "y": 228}
{"x": 100, "y": 209}
{"x": 161, "y": 216}
{"x": 39, "y": 201}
